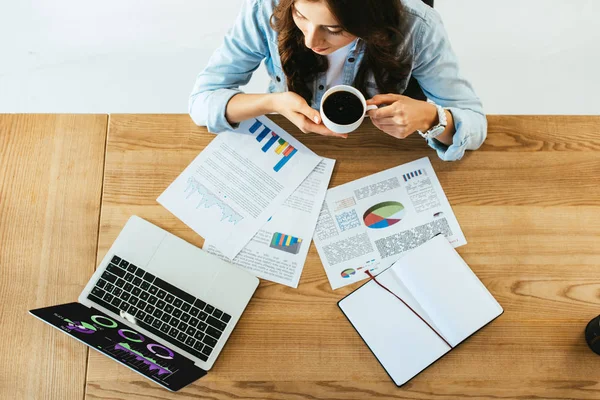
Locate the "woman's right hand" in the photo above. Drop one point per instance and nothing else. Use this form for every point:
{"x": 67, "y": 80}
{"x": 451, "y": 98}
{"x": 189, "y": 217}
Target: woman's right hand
{"x": 296, "y": 109}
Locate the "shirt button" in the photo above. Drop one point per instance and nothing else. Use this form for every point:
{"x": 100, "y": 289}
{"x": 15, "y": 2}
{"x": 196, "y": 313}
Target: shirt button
{"x": 351, "y": 59}
{"x": 278, "y": 79}
{"x": 321, "y": 87}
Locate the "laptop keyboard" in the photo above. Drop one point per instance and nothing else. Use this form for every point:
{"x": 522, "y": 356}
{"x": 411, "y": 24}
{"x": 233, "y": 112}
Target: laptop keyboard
{"x": 160, "y": 308}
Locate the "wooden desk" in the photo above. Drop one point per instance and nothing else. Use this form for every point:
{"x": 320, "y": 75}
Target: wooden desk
{"x": 528, "y": 202}
{"x": 50, "y": 186}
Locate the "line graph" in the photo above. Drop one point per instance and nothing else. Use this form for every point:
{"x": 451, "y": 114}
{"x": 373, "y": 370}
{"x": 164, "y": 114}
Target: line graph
{"x": 208, "y": 199}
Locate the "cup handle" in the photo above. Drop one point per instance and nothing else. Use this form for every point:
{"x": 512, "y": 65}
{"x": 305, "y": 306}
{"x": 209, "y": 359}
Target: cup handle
{"x": 370, "y": 107}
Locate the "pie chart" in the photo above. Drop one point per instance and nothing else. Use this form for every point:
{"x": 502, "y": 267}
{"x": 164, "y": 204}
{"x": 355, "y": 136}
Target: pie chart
{"x": 384, "y": 214}
{"x": 347, "y": 273}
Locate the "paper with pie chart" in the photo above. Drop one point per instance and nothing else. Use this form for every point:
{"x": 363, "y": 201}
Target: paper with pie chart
{"x": 368, "y": 224}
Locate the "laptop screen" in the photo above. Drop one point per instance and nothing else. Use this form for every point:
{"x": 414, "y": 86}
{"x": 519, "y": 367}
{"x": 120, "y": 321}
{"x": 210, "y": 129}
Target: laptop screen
{"x": 123, "y": 344}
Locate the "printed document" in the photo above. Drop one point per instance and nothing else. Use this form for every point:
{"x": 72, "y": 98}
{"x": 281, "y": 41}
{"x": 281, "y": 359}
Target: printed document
{"x": 278, "y": 251}
{"x": 237, "y": 183}
{"x": 367, "y": 224}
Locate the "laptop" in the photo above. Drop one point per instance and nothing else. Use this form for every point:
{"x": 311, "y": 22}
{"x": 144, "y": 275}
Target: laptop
{"x": 158, "y": 305}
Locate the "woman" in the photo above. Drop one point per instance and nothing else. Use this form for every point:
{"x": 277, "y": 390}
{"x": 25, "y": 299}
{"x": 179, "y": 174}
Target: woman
{"x": 373, "y": 45}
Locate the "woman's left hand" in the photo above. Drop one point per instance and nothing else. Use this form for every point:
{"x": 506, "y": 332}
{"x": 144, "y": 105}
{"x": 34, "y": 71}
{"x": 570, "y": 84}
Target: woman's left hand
{"x": 402, "y": 116}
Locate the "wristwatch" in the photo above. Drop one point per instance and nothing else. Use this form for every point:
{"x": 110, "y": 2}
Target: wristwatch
{"x": 439, "y": 128}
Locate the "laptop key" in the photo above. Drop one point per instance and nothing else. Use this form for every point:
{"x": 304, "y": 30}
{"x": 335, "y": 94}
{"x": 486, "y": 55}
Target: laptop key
{"x": 165, "y": 317}
{"x": 161, "y": 294}
{"x": 174, "y": 322}
{"x": 120, "y": 283}
{"x": 186, "y": 307}
{"x": 148, "y": 277}
{"x": 137, "y": 281}
{"x": 152, "y": 300}
{"x": 178, "y": 303}
{"x": 198, "y": 345}
{"x": 103, "y": 303}
{"x": 133, "y": 311}
{"x": 129, "y": 277}
{"x": 133, "y": 300}
{"x": 108, "y": 297}
{"x": 200, "y": 304}
{"x": 177, "y": 312}
{"x": 139, "y": 272}
{"x": 137, "y": 291}
{"x": 117, "y": 291}
{"x": 165, "y": 328}
{"x": 209, "y": 309}
{"x": 185, "y": 317}
{"x": 101, "y": 283}
{"x": 190, "y": 341}
{"x": 161, "y": 304}
{"x": 125, "y": 295}
{"x": 169, "y": 299}
{"x": 109, "y": 277}
{"x": 199, "y": 335}
{"x": 123, "y": 264}
{"x": 153, "y": 289}
{"x": 173, "y": 332}
{"x": 98, "y": 292}
{"x": 169, "y": 308}
{"x": 202, "y": 326}
{"x": 131, "y": 268}
{"x": 116, "y": 302}
{"x": 149, "y": 319}
{"x": 157, "y": 313}
{"x": 214, "y": 332}
{"x": 128, "y": 286}
{"x": 217, "y": 313}
{"x": 141, "y": 315}
{"x": 182, "y": 337}
{"x": 182, "y": 326}
{"x": 115, "y": 270}
{"x": 209, "y": 341}
{"x": 145, "y": 285}
{"x": 203, "y": 316}
{"x": 144, "y": 295}
{"x": 190, "y": 331}
{"x": 156, "y": 323}
{"x": 194, "y": 321}
{"x": 207, "y": 350}
{"x": 142, "y": 304}
{"x": 115, "y": 260}
{"x": 109, "y": 287}
{"x": 149, "y": 308}
{"x": 194, "y": 311}
{"x": 220, "y": 325}
{"x": 124, "y": 306}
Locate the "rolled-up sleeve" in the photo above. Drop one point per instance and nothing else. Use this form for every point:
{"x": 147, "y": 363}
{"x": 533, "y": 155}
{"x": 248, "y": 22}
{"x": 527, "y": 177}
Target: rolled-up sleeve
{"x": 230, "y": 67}
{"x": 436, "y": 69}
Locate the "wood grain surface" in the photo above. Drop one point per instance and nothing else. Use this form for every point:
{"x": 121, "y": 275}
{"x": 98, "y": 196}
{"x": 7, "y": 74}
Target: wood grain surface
{"x": 50, "y": 187}
{"x": 528, "y": 202}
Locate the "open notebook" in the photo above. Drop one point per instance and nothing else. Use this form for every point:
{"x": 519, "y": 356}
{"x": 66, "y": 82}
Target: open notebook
{"x": 439, "y": 286}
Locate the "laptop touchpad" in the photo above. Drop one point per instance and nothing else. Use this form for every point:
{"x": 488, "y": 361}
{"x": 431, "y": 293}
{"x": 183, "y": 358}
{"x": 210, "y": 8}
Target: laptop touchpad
{"x": 183, "y": 265}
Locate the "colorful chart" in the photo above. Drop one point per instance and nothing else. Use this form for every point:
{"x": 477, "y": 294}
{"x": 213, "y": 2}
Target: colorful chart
{"x": 282, "y": 148}
{"x": 384, "y": 214}
{"x": 286, "y": 243}
{"x": 347, "y": 273}
{"x": 413, "y": 174}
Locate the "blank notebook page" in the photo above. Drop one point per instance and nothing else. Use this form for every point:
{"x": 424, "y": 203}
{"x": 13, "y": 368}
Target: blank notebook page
{"x": 446, "y": 288}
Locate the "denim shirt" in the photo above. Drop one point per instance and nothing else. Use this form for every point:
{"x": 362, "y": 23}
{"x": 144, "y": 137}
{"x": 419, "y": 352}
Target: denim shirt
{"x": 252, "y": 40}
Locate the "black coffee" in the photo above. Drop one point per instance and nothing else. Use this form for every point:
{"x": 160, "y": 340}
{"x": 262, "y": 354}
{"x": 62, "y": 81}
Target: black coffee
{"x": 343, "y": 108}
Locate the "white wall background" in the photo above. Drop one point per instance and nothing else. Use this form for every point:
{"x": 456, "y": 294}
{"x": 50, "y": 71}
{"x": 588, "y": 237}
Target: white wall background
{"x": 141, "y": 56}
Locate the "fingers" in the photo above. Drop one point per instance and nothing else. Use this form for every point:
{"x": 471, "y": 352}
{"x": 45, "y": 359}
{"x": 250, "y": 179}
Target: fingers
{"x": 383, "y": 99}
{"x": 309, "y": 113}
{"x": 307, "y": 126}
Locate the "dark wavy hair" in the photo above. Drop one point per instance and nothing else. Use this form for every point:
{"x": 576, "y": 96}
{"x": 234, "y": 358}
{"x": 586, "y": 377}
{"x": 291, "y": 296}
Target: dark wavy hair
{"x": 381, "y": 24}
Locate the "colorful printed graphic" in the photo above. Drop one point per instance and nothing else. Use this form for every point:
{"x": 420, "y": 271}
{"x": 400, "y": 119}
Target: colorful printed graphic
{"x": 79, "y": 326}
{"x": 282, "y": 147}
{"x": 287, "y": 243}
{"x": 347, "y": 273}
{"x": 151, "y": 363}
{"x": 413, "y": 174}
{"x": 384, "y": 214}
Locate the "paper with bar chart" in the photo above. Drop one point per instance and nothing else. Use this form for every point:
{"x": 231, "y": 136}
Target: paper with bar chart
{"x": 237, "y": 183}
{"x": 368, "y": 224}
{"x": 278, "y": 251}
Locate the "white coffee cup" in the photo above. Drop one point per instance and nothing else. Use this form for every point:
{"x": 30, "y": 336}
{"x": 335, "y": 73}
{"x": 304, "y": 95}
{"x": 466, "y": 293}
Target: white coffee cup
{"x": 341, "y": 129}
